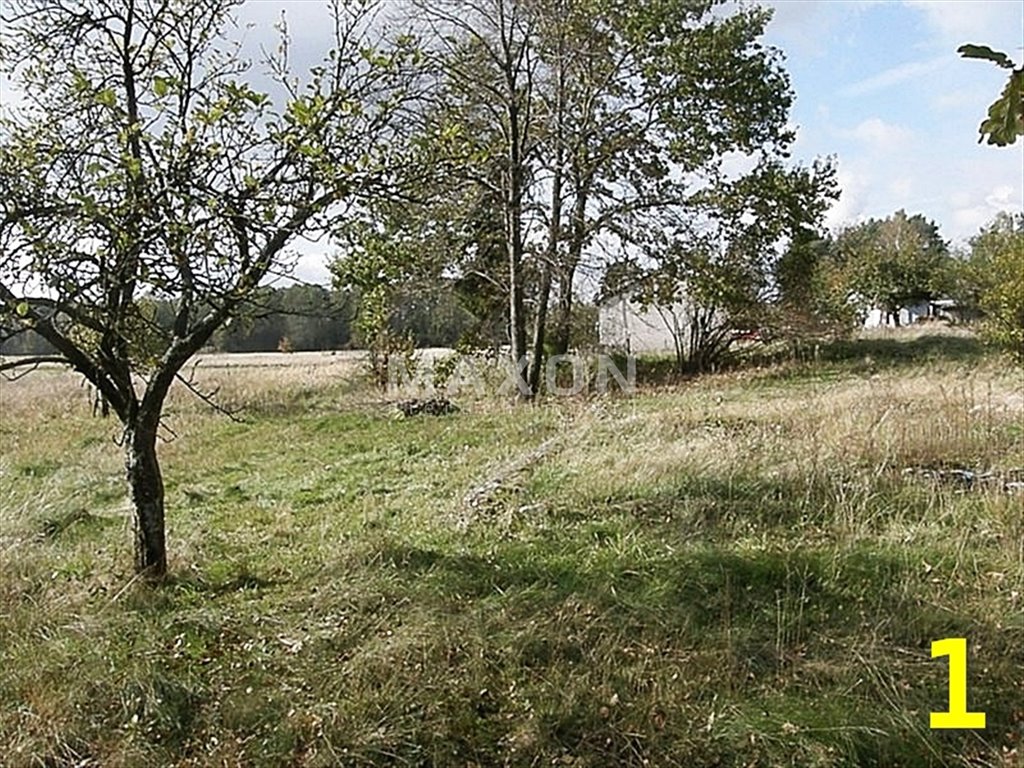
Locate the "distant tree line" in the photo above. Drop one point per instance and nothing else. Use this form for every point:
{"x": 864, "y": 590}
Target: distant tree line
{"x": 302, "y": 318}
{"x": 296, "y": 318}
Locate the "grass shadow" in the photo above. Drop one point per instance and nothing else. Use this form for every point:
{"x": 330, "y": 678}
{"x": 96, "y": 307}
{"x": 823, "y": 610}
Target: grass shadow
{"x": 772, "y": 626}
{"x": 894, "y": 352}
{"x": 713, "y": 505}
{"x": 841, "y": 357}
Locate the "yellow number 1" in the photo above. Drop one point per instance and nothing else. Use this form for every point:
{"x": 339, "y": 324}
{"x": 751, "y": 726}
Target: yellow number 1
{"x": 957, "y": 716}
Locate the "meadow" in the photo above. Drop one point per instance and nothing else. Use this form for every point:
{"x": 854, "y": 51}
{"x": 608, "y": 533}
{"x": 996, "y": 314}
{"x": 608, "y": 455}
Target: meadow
{"x": 744, "y": 569}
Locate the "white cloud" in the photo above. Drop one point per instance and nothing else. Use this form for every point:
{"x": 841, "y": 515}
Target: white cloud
{"x": 902, "y": 113}
{"x": 852, "y": 203}
{"x": 968, "y": 219}
{"x": 878, "y": 135}
{"x": 312, "y": 268}
{"x": 972, "y": 219}
{"x": 914, "y": 70}
{"x": 902, "y": 188}
{"x": 805, "y": 26}
{"x": 736, "y": 164}
{"x": 305, "y": 261}
{"x": 10, "y": 96}
{"x": 961, "y": 195}
{"x": 308, "y": 260}
{"x": 961, "y": 21}
{"x": 960, "y": 99}
{"x": 960, "y": 199}
{"x": 1001, "y": 197}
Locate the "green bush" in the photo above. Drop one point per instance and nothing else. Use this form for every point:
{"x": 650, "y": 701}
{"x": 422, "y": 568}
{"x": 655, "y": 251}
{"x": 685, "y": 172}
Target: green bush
{"x": 994, "y": 275}
{"x": 1003, "y": 300}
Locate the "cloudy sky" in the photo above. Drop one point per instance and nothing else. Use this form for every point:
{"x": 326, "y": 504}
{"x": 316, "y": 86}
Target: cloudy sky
{"x": 880, "y": 86}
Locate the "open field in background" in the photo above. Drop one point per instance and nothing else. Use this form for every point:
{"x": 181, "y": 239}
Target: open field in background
{"x": 245, "y": 381}
{"x": 745, "y": 569}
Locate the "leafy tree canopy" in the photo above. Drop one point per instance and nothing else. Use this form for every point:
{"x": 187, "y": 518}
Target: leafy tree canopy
{"x": 894, "y": 262}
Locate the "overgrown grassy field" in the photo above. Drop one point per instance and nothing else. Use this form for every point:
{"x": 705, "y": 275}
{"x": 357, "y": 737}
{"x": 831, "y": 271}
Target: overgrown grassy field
{"x": 738, "y": 570}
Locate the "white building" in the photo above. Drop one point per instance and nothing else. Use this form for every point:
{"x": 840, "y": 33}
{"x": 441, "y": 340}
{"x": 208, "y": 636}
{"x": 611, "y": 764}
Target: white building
{"x": 879, "y": 318}
{"x": 629, "y": 326}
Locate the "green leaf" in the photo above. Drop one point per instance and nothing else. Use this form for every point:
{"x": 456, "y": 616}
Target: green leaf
{"x": 22, "y": 309}
{"x": 1006, "y": 115}
{"x": 107, "y": 97}
{"x": 160, "y": 86}
{"x": 80, "y": 82}
{"x": 971, "y": 51}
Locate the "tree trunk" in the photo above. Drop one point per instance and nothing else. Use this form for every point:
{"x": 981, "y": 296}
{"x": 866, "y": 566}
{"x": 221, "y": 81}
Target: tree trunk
{"x": 563, "y": 322}
{"x": 147, "y": 490}
{"x": 540, "y": 319}
{"x": 577, "y": 241}
{"x": 554, "y": 236}
{"x": 516, "y": 309}
{"x": 514, "y": 233}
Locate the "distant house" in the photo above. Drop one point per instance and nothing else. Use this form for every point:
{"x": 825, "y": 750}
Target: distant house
{"x": 937, "y": 309}
{"x": 879, "y": 318}
{"x": 953, "y": 311}
{"x": 627, "y": 325}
